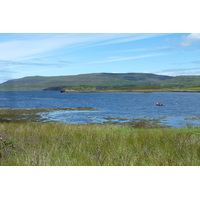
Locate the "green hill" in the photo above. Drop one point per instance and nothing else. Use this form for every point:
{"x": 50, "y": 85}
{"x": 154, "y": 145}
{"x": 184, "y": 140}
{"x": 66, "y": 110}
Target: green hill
{"x": 182, "y": 81}
{"x": 98, "y": 80}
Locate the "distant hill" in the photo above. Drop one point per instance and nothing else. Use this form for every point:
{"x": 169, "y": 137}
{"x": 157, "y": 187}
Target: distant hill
{"x": 99, "y": 80}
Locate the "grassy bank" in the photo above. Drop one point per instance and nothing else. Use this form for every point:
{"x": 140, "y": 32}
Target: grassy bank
{"x": 153, "y": 89}
{"x": 137, "y": 89}
{"x": 92, "y": 145}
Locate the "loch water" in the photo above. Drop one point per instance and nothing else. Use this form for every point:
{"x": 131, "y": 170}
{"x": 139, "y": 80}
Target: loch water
{"x": 181, "y": 108}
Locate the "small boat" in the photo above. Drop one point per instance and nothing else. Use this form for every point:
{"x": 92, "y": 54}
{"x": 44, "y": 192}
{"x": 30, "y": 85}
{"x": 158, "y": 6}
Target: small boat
{"x": 160, "y": 104}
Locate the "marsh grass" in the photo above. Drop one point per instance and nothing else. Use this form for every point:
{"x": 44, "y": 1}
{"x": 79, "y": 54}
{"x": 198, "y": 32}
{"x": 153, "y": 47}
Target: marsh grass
{"x": 33, "y": 115}
{"x": 39, "y": 115}
{"x": 144, "y": 122}
{"x": 56, "y": 144}
{"x": 193, "y": 118}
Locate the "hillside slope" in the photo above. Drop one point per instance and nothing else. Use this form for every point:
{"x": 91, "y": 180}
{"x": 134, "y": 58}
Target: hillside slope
{"x": 99, "y": 80}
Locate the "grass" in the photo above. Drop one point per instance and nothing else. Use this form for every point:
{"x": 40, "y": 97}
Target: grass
{"x": 154, "y": 89}
{"x": 57, "y": 144}
{"x": 37, "y": 115}
{"x": 193, "y": 118}
{"x": 137, "y": 122}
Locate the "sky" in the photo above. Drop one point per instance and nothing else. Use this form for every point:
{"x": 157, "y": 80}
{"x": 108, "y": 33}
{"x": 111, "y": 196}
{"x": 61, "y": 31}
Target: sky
{"x": 55, "y": 54}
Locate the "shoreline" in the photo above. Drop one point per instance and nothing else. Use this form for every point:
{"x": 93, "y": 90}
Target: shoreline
{"x": 40, "y": 115}
{"x": 106, "y": 91}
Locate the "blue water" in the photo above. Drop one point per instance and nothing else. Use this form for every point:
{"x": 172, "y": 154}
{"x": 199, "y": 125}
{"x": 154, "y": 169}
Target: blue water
{"x": 178, "y": 106}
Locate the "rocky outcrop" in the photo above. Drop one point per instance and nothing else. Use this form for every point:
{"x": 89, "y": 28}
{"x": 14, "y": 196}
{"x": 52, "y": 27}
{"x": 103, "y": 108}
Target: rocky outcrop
{"x": 78, "y": 89}
{"x": 68, "y": 91}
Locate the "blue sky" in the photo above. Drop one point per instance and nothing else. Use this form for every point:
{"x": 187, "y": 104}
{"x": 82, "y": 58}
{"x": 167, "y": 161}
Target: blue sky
{"x": 46, "y": 54}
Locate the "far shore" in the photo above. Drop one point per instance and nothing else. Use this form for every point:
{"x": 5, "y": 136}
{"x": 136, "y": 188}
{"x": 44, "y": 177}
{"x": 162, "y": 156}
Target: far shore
{"x": 109, "y": 91}
{"x": 142, "y": 91}
{"x": 104, "y": 89}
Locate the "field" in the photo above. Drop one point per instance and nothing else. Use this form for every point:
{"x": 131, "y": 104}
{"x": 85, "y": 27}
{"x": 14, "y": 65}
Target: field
{"x": 56, "y": 144}
{"x": 153, "y": 89}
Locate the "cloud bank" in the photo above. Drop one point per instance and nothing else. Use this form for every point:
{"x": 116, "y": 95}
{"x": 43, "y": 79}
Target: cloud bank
{"x": 180, "y": 71}
{"x": 37, "y": 44}
{"x": 190, "y": 39}
{"x": 116, "y": 59}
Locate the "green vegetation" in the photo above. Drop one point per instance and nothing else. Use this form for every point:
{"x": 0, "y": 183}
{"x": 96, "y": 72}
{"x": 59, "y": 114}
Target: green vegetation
{"x": 37, "y": 115}
{"x": 182, "y": 81}
{"x": 137, "y": 122}
{"x": 56, "y": 144}
{"x": 27, "y": 141}
{"x": 193, "y": 118}
{"x": 101, "y": 81}
{"x": 155, "y": 89}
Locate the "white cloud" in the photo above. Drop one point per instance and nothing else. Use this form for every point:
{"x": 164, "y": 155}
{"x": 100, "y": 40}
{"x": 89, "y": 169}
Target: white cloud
{"x": 163, "y": 48}
{"x": 180, "y": 71}
{"x": 115, "y": 59}
{"x": 188, "y": 40}
{"x": 30, "y": 45}
{"x": 129, "y": 38}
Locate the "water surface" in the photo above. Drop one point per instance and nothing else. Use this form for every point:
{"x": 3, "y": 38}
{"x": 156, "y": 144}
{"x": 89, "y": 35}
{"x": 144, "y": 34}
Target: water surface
{"x": 113, "y": 106}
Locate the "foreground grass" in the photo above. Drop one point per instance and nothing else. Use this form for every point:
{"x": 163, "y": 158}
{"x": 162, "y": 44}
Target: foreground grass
{"x": 47, "y": 144}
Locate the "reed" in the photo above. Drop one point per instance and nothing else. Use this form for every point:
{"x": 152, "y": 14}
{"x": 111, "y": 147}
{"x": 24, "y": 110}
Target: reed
{"x": 56, "y": 144}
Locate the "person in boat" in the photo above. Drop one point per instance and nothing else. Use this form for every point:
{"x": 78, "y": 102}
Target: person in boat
{"x": 160, "y": 104}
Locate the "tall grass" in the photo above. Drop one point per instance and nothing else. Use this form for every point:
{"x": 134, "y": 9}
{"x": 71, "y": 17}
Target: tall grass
{"x": 56, "y": 144}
